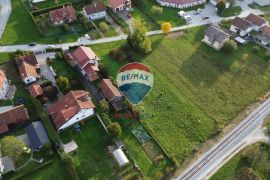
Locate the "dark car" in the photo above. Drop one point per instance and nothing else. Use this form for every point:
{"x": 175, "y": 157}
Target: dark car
{"x": 20, "y": 101}
{"x": 32, "y": 44}
{"x": 206, "y": 17}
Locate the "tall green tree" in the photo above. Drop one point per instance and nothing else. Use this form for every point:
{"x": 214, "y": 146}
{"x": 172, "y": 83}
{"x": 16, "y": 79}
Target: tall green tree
{"x": 12, "y": 147}
{"x": 139, "y": 40}
{"x": 63, "y": 84}
{"x": 115, "y": 129}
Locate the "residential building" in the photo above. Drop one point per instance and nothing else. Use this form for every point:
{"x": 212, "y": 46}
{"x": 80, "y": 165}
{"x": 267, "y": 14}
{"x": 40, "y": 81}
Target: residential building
{"x": 181, "y": 3}
{"x": 3, "y": 84}
{"x": 97, "y": 10}
{"x": 28, "y": 67}
{"x": 112, "y": 94}
{"x": 6, "y": 164}
{"x": 87, "y": 61}
{"x": 35, "y": 90}
{"x": 12, "y": 118}
{"x": 264, "y": 37}
{"x": 71, "y": 109}
{"x": 227, "y": 2}
{"x": 37, "y": 135}
{"x": 241, "y": 26}
{"x": 257, "y": 21}
{"x": 119, "y": 5}
{"x": 63, "y": 15}
{"x": 215, "y": 37}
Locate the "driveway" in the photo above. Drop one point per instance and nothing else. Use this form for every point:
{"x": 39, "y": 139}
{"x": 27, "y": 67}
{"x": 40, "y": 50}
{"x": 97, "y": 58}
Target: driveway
{"x": 5, "y": 10}
{"x": 44, "y": 68}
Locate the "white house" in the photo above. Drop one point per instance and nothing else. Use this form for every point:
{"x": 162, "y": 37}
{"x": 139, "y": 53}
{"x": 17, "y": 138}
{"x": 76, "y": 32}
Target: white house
{"x": 241, "y": 26}
{"x": 71, "y": 109}
{"x": 180, "y": 3}
{"x": 264, "y": 37}
{"x": 257, "y": 22}
{"x": 3, "y": 84}
{"x": 215, "y": 37}
{"x": 97, "y": 10}
{"x": 119, "y": 5}
{"x": 227, "y": 3}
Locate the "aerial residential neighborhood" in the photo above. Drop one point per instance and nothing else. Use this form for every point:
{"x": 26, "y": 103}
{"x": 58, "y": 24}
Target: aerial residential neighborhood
{"x": 134, "y": 89}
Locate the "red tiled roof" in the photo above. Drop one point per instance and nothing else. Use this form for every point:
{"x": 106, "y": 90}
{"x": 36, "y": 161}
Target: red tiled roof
{"x": 94, "y": 8}
{"x": 115, "y": 3}
{"x": 30, "y": 59}
{"x": 109, "y": 90}
{"x": 68, "y": 106}
{"x": 83, "y": 54}
{"x": 2, "y": 78}
{"x": 63, "y": 14}
{"x": 35, "y": 90}
{"x": 27, "y": 70}
{"x": 254, "y": 19}
{"x": 13, "y": 116}
{"x": 266, "y": 31}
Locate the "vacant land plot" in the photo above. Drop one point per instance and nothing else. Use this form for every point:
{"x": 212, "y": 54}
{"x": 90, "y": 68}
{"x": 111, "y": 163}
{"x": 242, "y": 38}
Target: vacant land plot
{"x": 91, "y": 158}
{"x": 256, "y": 157}
{"x": 197, "y": 90}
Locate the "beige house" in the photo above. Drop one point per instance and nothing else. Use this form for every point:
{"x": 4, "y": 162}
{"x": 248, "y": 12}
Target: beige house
{"x": 215, "y": 37}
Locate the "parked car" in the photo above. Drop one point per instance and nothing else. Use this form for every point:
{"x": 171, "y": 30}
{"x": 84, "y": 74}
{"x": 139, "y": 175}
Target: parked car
{"x": 51, "y": 46}
{"x": 20, "y": 101}
{"x": 187, "y": 17}
{"x": 182, "y": 13}
{"x": 206, "y": 17}
{"x": 32, "y": 44}
{"x": 196, "y": 12}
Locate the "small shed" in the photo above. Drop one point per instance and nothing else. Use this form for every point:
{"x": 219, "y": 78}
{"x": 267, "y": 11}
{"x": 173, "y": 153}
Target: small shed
{"x": 37, "y": 135}
{"x": 70, "y": 147}
{"x": 120, "y": 157}
{"x": 6, "y": 165}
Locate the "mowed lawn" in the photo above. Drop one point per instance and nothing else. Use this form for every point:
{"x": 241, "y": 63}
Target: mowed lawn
{"x": 256, "y": 156}
{"x": 196, "y": 88}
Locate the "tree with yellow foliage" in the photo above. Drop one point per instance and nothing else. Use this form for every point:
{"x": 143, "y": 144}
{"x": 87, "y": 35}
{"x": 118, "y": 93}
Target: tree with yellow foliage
{"x": 166, "y": 27}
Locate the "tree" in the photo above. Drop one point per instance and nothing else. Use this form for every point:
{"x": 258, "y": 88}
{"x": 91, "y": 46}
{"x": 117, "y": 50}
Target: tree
{"x": 247, "y": 173}
{"x": 166, "y": 27}
{"x": 50, "y": 92}
{"x": 115, "y": 129}
{"x": 157, "y": 10}
{"x": 245, "y": 57}
{"x": 104, "y": 106}
{"x": 63, "y": 84}
{"x": 221, "y": 6}
{"x": 230, "y": 46}
{"x": 138, "y": 40}
{"x": 12, "y": 147}
{"x": 103, "y": 27}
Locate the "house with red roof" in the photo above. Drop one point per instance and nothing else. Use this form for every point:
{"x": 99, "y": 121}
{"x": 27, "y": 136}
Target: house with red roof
{"x": 87, "y": 61}
{"x": 35, "y": 90}
{"x": 264, "y": 36}
{"x": 3, "y": 84}
{"x": 241, "y": 26}
{"x": 257, "y": 21}
{"x": 13, "y": 117}
{"x": 28, "y": 68}
{"x": 71, "y": 109}
{"x": 63, "y": 15}
{"x": 112, "y": 94}
{"x": 94, "y": 11}
{"x": 119, "y": 5}
{"x": 181, "y": 4}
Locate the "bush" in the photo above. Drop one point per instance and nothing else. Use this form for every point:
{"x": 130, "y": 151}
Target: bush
{"x": 50, "y": 92}
{"x": 45, "y": 83}
{"x": 104, "y": 72}
{"x": 166, "y": 27}
{"x": 58, "y": 55}
{"x": 115, "y": 129}
{"x": 255, "y": 49}
{"x": 104, "y": 106}
{"x": 103, "y": 27}
{"x": 247, "y": 173}
{"x": 245, "y": 57}
{"x": 157, "y": 10}
{"x": 12, "y": 147}
{"x": 118, "y": 54}
{"x": 67, "y": 159}
{"x": 63, "y": 84}
{"x": 267, "y": 55}
{"x": 105, "y": 118}
{"x": 230, "y": 46}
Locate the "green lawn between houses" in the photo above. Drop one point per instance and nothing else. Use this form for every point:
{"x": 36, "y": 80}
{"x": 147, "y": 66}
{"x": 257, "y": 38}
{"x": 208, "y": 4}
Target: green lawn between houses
{"x": 260, "y": 163}
{"x": 232, "y": 11}
{"x": 196, "y": 89}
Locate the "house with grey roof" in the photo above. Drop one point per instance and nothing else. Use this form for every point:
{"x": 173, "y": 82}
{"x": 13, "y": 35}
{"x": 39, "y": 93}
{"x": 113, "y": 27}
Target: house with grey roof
{"x": 241, "y": 26}
{"x": 215, "y": 37}
{"x": 37, "y": 135}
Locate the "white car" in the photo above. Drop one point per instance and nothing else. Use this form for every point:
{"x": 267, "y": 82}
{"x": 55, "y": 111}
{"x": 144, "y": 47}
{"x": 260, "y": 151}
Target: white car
{"x": 187, "y": 17}
{"x": 51, "y": 46}
{"x": 182, "y": 13}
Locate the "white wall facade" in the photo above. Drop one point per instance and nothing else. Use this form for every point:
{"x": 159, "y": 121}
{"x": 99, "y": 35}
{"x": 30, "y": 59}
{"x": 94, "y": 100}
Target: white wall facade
{"x": 216, "y": 45}
{"x": 180, "y": 6}
{"x": 241, "y": 32}
{"x": 83, "y": 114}
{"x": 29, "y": 79}
{"x": 95, "y": 16}
{"x": 4, "y": 89}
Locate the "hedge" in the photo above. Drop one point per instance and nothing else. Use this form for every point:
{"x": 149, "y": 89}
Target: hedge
{"x": 46, "y": 121}
{"x": 116, "y": 18}
{"x": 45, "y": 10}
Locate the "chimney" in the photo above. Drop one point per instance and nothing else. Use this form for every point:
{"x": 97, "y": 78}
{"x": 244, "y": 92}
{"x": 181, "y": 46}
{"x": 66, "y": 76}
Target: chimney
{"x": 66, "y": 106}
{"x": 95, "y": 4}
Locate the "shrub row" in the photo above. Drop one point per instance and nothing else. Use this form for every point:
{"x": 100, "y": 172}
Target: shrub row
{"x": 45, "y": 10}
{"x": 116, "y": 18}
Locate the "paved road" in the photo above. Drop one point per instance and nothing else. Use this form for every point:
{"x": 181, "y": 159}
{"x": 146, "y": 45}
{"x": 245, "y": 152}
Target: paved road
{"x": 5, "y": 10}
{"x": 233, "y": 142}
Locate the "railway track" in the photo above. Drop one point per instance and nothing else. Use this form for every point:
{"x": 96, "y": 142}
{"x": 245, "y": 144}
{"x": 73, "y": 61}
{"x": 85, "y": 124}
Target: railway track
{"x": 259, "y": 113}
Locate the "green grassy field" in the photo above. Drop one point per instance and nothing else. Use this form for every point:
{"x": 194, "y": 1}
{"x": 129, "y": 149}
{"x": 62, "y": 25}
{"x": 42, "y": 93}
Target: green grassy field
{"x": 197, "y": 90}
{"x": 169, "y": 14}
{"x": 232, "y": 11}
{"x": 256, "y": 156}
{"x": 4, "y": 58}
{"x": 91, "y": 158}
